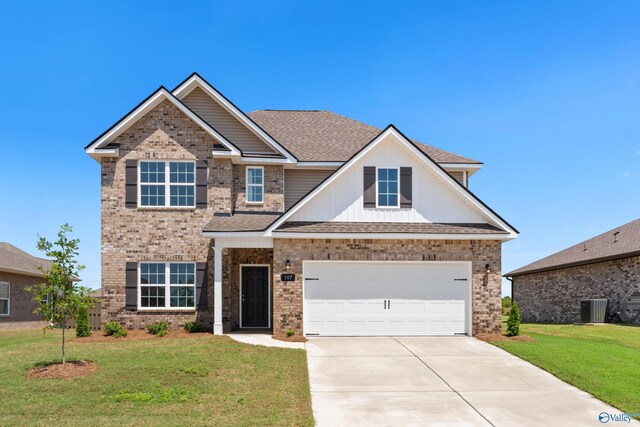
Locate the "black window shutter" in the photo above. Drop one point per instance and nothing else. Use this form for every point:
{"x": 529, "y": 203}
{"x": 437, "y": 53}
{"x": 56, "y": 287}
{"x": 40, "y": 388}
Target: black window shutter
{"x": 131, "y": 184}
{"x": 405, "y": 187}
{"x": 369, "y": 195}
{"x": 201, "y": 285}
{"x": 201, "y": 184}
{"x": 131, "y": 286}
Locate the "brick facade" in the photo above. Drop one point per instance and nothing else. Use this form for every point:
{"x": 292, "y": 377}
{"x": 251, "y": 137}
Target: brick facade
{"x": 486, "y": 288}
{"x": 163, "y": 234}
{"x": 554, "y": 296}
{"x": 21, "y": 305}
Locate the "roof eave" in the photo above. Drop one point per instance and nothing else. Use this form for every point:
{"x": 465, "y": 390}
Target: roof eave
{"x": 517, "y": 273}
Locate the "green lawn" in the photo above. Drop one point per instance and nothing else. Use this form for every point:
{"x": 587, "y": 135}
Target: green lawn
{"x": 603, "y": 360}
{"x": 198, "y": 379}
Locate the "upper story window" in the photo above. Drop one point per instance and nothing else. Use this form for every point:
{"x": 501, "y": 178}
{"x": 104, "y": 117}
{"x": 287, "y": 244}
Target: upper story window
{"x": 167, "y": 184}
{"x": 4, "y": 298}
{"x": 167, "y": 285}
{"x": 255, "y": 184}
{"x": 387, "y": 196}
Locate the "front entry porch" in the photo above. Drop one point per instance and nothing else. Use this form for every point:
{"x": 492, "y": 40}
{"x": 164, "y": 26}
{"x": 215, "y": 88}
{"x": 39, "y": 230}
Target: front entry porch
{"x": 243, "y": 291}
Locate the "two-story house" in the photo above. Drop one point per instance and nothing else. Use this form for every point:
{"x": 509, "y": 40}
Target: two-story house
{"x": 292, "y": 220}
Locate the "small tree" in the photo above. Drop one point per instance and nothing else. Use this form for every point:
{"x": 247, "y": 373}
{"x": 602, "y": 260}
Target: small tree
{"x": 59, "y": 298}
{"x": 513, "y": 322}
{"x": 506, "y": 304}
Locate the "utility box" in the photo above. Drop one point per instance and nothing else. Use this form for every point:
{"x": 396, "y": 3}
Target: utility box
{"x": 593, "y": 310}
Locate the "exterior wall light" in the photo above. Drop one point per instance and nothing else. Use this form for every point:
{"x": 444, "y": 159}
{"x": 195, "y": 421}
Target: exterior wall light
{"x": 488, "y": 268}
{"x": 287, "y": 265}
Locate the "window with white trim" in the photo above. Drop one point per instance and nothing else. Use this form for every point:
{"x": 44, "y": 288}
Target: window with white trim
{"x": 167, "y": 285}
{"x": 4, "y": 298}
{"x": 167, "y": 184}
{"x": 255, "y": 184}
{"x": 387, "y": 188}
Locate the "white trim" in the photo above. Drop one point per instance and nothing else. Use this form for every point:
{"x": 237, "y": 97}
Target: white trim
{"x": 315, "y": 165}
{"x": 167, "y": 287}
{"x": 397, "y": 169}
{"x": 153, "y": 101}
{"x": 396, "y": 236}
{"x": 24, "y": 273}
{"x": 468, "y": 308}
{"x": 246, "y": 186}
{"x": 268, "y": 296}
{"x": 167, "y": 184}
{"x": 430, "y": 163}
{"x": 8, "y": 299}
{"x": 196, "y": 81}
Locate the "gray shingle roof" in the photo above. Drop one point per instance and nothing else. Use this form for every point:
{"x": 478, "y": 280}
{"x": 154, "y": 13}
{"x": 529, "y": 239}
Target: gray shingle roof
{"x": 242, "y": 221}
{"x": 18, "y": 261}
{"x": 386, "y": 227}
{"x": 317, "y": 136}
{"x": 605, "y": 246}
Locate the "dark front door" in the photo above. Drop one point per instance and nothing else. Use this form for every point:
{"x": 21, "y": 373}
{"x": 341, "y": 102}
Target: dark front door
{"x": 255, "y": 297}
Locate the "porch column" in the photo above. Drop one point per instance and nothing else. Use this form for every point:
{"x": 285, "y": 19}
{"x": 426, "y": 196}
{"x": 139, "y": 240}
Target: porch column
{"x": 217, "y": 290}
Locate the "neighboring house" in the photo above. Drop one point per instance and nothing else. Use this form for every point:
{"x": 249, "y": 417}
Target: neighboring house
{"x": 292, "y": 220}
{"x": 606, "y": 266}
{"x": 18, "y": 270}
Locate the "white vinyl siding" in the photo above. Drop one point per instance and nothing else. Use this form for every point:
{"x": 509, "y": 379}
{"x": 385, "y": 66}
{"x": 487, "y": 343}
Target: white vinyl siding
{"x": 5, "y": 298}
{"x": 255, "y": 184}
{"x": 298, "y": 182}
{"x": 225, "y": 123}
{"x": 433, "y": 198}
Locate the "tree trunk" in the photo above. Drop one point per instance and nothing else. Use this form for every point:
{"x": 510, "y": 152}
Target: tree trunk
{"x": 63, "y": 328}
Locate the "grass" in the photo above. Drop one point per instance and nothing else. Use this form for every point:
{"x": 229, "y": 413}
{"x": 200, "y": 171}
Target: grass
{"x": 200, "y": 379}
{"x": 603, "y": 360}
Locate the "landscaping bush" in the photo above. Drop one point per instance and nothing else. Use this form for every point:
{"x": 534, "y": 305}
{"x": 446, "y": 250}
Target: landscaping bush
{"x": 513, "y": 322}
{"x": 159, "y": 328}
{"x": 114, "y": 329}
{"x": 192, "y": 326}
{"x": 82, "y": 323}
{"x": 289, "y": 333}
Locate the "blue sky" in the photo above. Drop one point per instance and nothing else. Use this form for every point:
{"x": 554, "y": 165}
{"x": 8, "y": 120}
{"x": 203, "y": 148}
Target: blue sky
{"x": 547, "y": 94}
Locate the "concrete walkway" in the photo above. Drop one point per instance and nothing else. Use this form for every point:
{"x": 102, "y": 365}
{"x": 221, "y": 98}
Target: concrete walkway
{"x": 438, "y": 381}
{"x": 263, "y": 338}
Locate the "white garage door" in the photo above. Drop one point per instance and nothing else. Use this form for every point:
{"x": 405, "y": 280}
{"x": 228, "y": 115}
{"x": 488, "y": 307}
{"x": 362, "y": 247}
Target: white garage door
{"x": 386, "y": 298}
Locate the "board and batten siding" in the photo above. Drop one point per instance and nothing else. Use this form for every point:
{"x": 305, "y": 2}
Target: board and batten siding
{"x": 434, "y": 198}
{"x": 298, "y": 182}
{"x": 225, "y": 123}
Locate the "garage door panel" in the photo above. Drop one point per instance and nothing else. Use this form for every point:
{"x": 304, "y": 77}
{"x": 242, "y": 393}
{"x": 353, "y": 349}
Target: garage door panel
{"x": 351, "y": 298}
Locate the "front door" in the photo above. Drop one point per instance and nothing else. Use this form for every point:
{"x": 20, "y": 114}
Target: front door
{"x": 255, "y": 297}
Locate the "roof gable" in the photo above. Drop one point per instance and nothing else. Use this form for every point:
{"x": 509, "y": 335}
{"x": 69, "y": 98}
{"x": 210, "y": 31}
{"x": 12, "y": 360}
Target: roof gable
{"x": 470, "y": 208}
{"x": 621, "y": 242}
{"x": 193, "y": 82}
{"x": 152, "y": 101}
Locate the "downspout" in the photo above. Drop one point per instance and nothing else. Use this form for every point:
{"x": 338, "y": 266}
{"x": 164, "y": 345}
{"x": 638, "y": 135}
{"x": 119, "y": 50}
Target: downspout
{"x": 510, "y": 279}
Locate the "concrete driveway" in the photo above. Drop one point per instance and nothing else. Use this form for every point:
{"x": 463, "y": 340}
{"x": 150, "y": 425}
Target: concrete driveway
{"x": 448, "y": 381}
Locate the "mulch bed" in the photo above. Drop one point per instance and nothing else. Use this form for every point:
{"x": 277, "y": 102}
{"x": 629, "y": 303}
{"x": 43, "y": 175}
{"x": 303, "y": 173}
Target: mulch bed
{"x": 503, "y": 337}
{"x": 292, "y": 338}
{"x": 74, "y": 369}
{"x": 135, "y": 335}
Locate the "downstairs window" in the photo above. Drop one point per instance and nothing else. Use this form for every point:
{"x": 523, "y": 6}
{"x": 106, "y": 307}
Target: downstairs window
{"x": 167, "y": 285}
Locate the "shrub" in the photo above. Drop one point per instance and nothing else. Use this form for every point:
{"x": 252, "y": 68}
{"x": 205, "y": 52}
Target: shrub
{"x": 114, "y": 329}
{"x": 82, "y": 323}
{"x": 159, "y": 328}
{"x": 289, "y": 333}
{"x": 513, "y": 322}
{"x": 192, "y": 326}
